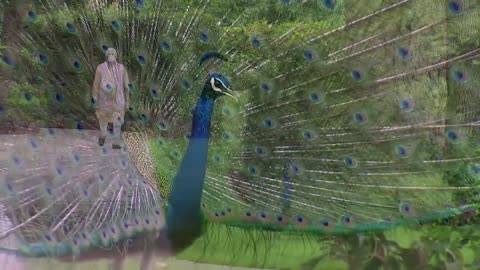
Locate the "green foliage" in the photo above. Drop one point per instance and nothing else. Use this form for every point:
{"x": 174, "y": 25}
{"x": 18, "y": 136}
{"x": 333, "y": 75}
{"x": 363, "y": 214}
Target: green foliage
{"x": 27, "y": 102}
{"x": 466, "y": 174}
{"x": 431, "y": 247}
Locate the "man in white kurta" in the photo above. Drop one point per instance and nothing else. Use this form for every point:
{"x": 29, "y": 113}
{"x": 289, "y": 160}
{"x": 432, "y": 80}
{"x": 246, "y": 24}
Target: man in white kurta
{"x": 110, "y": 91}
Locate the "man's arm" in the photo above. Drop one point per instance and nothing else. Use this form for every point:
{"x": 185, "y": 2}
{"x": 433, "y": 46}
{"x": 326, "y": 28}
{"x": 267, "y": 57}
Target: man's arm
{"x": 126, "y": 82}
{"x": 96, "y": 84}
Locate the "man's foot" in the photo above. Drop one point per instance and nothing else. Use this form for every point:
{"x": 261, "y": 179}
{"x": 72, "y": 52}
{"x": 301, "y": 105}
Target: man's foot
{"x": 110, "y": 128}
{"x": 162, "y": 265}
{"x": 101, "y": 140}
{"x": 116, "y": 146}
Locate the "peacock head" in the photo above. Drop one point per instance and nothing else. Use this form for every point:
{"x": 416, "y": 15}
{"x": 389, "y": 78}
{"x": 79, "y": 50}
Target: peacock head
{"x": 217, "y": 86}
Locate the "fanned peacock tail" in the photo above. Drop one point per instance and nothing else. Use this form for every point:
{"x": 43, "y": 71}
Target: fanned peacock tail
{"x": 73, "y": 201}
{"x": 349, "y": 110}
{"x": 349, "y": 117}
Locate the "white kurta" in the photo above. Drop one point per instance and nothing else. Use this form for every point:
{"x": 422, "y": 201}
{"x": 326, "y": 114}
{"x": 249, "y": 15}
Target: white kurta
{"x": 110, "y": 89}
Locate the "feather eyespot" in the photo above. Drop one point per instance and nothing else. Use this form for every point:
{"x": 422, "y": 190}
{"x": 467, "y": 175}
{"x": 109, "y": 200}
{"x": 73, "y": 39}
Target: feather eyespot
{"x": 330, "y": 4}
{"x": 456, "y": 6}
{"x": 256, "y": 42}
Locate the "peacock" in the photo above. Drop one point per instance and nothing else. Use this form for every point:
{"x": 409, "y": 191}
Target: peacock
{"x": 304, "y": 128}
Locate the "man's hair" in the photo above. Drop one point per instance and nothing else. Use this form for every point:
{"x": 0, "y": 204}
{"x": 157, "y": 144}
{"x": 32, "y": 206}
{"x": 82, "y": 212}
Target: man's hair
{"x": 110, "y": 50}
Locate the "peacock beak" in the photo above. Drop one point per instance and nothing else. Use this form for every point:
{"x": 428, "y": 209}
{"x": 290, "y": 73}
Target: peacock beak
{"x": 229, "y": 92}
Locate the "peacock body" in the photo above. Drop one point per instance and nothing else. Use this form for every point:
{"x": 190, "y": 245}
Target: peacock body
{"x": 248, "y": 121}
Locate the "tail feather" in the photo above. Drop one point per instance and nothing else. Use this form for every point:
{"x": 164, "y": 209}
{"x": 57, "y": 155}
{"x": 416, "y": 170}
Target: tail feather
{"x": 359, "y": 112}
{"x": 64, "y": 194}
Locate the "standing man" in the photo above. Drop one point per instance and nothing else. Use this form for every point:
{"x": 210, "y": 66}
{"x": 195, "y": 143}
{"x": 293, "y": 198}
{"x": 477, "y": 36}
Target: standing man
{"x": 110, "y": 92}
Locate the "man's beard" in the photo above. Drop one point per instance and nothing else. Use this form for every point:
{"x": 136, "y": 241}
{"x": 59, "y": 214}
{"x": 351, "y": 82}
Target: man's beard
{"x": 111, "y": 59}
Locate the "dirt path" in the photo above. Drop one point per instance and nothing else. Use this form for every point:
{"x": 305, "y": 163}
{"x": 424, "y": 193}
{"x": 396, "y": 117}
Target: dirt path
{"x": 13, "y": 263}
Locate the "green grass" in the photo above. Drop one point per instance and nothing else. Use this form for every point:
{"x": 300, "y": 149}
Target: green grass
{"x": 233, "y": 247}
{"x": 236, "y": 247}
{"x": 277, "y": 250}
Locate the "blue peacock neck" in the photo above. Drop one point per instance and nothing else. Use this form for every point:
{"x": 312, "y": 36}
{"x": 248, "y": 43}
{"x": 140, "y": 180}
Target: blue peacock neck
{"x": 202, "y": 116}
{"x": 184, "y": 216}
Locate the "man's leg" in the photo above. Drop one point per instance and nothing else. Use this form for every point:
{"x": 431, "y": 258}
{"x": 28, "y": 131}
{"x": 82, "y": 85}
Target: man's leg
{"x": 103, "y": 131}
{"x": 117, "y": 129}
